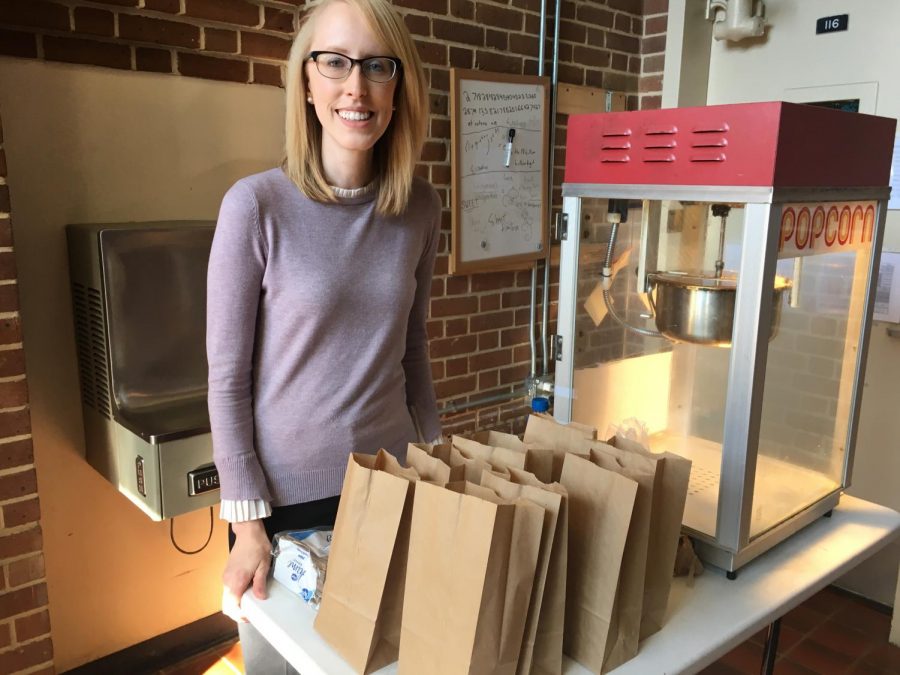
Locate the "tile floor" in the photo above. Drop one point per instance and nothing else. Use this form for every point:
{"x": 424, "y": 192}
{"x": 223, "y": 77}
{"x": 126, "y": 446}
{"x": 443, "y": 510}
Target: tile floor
{"x": 832, "y": 632}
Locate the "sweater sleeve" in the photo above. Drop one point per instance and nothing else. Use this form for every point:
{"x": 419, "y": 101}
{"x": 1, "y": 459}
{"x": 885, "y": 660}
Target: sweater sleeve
{"x": 416, "y": 362}
{"x": 237, "y": 264}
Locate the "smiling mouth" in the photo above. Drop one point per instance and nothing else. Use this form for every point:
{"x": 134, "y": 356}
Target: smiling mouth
{"x": 354, "y": 115}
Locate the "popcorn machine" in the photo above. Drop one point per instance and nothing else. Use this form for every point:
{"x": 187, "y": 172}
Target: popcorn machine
{"x": 717, "y": 281}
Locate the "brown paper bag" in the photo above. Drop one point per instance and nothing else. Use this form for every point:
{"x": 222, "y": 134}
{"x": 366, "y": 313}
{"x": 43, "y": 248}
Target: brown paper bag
{"x": 432, "y": 468}
{"x": 472, "y": 559}
{"x": 669, "y": 497}
{"x": 550, "y": 502}
{"x": 600, "y": 507}
{"x": 363, "y": 594}
{"x": 544, "y": 432}
{"x": 548, "y": 640}
{"x": 499, "y": 439}
{"x": 498, "y": 457}
{"x": 626, "y": 620}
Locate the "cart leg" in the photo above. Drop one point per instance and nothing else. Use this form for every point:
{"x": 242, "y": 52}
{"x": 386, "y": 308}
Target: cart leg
{"x": 731, "y": 576}
{"x": 768, "y": 663}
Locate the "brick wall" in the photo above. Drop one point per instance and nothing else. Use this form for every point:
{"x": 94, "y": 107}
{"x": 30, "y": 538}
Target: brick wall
{"x": 479, "y": 323}
{"x": 24, "y": 618}
{"x": 653, "y": 48}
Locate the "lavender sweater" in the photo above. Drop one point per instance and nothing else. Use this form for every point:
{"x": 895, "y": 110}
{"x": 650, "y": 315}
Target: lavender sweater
{"x": 315, "y": 335}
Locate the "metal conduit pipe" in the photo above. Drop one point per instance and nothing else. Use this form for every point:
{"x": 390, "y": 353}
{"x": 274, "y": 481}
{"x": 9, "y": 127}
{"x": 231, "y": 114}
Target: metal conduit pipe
{"x": 484, "y": 400}
{"x": 554, "y": 81}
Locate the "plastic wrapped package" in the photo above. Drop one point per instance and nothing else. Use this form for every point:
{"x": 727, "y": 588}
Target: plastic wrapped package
{"x": 301, "y": 558}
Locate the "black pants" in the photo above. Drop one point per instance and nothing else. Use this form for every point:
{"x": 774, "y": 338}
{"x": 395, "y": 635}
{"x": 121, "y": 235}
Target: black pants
{"x": 297, "y": 517}
{"x": 261, "y": 658}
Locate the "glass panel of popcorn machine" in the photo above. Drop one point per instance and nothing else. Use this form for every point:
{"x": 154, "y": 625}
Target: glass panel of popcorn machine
{"x": 825, "y": 250}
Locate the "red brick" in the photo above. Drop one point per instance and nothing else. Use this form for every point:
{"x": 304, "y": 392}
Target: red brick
{"x": 571, "y": 74}
{"x": 158, "y": 31}
{"x": 457, "y": 366}
{"x": 19, "y": 484}
{"x": 461, "y": 57}
{"x": 516, "y": 298}
{"x": 572, "y": 32}
{"x": 452, "y": 346}
{"x": 435, "y": 329}
{"x": 488, "y": 360}
{"x": 24, "y": 658}
{"x": 650, "y": 84}
{"x": 514, "y": 374}
{"x": 492, "y": 281}
{"x": 456, "y": 327}
{"x": 454, "y": 306}
{"x": 454, "y": 31}
{"x": 488, "y": 379}
{"x": 433, "y": 6}
{"x": 489, "y": 340}
{"x": 655, "y": 7}
{"x": 22, "y": 600}
{"x": 625, "y": 43}
{"x": 14, "y": 43}
{"x": 434, "y": 151}
{"x": 120, "y": 3}
{"x": 499, "y": 17}
{"x": 28, "y": 569}
{"x": 168, "y": 6}
{"x": 10, "y": 332}
{"x": 88, "y": 52}
{"x": 437, "y": 370}
{"x": 21, "y": 513}
{"x": 153, "y": 60}
{"x": 16, "y": 453}
{"x": 620, "y": 82}
{"x": 437, "y": 288}
{"x": 210, "y": 68}
{"x": 491, "y": 321}
{"x": 276, "y": 19}
{"x": 457, "y": 285}
{"x": 265, "y": 46}
{"x": 216, "y": 40}
{"x": 35, "y": 14}
{"x": 32, "y": 626}
{"x": 433, "y": 53}
{"x": 94, "y": 21}
{"x": 514, "y": 336}
{"x": 650, "y": 103}
{"x": 455, "y": 386}
{"x": 523, "y": 316}
{"x": 654, "y": 64}
{"x": 497, "y": 39}
{"x": 630, "y": 6}
{"x": 5, "y": 631}
{"x": 499, "y": 63}
{"x": 226, "y": 11}
{"x": 418, "y": 25}
{"x": 13, "y": 394}
{"x": 622, "y": 23}
{"x": 653, "y": 45}
{"x": 462, "y": 9}
{"x": 265, "y": 73}
{"x": 489, "y": 303}
{"x": 440, "y": 174}
{"x": 656, "y": 25}
{"x": 592, "y": 57}
{"x": 526, "y": 45}
{"x": 4, "y": 199}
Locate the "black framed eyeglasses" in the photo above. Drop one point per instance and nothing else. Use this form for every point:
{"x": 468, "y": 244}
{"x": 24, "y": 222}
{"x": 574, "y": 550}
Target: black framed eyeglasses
{"x": 338, "y": 66}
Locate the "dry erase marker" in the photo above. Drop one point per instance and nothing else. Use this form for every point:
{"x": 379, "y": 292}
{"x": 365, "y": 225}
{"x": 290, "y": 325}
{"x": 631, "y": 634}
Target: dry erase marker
{"x": 509, "y": 139}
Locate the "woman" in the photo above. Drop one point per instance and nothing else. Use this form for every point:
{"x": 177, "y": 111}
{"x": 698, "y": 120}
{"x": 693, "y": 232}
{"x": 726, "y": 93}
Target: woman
{"x": 318, "y": 288}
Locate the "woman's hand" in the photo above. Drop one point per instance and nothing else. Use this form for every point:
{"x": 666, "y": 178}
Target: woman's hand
{"x": 248, "y": 564}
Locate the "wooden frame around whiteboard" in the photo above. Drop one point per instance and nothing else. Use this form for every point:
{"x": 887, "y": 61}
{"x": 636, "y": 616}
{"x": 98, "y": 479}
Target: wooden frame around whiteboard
{"x": 457, "y": 264}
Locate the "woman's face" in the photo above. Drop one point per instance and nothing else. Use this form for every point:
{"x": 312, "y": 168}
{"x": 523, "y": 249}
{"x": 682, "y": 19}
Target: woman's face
{"x": 354, "y": 112}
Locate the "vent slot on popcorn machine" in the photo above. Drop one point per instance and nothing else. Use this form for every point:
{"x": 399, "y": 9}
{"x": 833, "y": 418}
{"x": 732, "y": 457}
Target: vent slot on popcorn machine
{"x": 717, "y": 286}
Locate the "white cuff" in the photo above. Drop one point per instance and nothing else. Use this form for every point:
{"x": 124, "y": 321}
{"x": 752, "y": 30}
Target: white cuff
{"x": 242, "y": 510}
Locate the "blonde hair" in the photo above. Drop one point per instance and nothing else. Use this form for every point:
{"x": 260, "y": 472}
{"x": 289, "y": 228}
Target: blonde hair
{"x": 397, "y": 151}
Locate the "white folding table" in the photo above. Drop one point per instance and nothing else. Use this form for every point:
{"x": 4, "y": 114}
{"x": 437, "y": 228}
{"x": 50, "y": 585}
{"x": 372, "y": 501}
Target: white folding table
{"x": 703, "y": 622}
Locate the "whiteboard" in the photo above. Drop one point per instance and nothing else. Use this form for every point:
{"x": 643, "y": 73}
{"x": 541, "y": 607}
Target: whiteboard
{"x": 499, "y": 158}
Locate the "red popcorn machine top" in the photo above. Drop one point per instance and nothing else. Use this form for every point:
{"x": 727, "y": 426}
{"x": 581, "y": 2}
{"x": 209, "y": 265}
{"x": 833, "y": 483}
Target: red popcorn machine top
{"x": 717, "y": 282}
